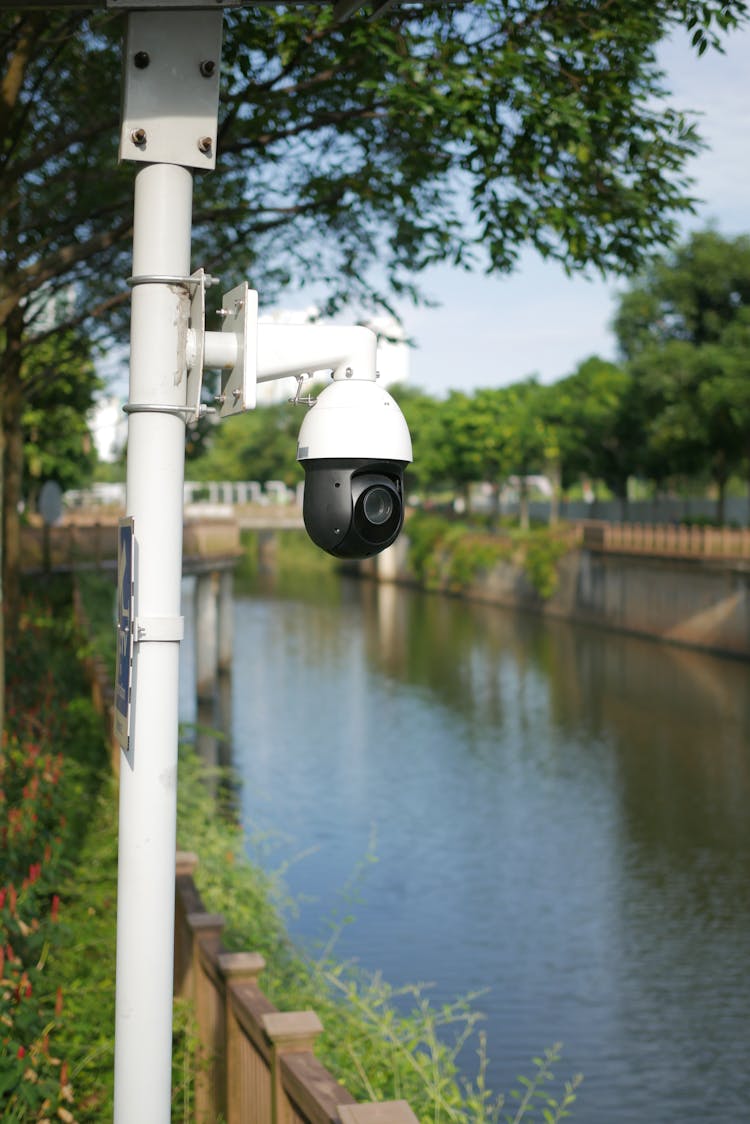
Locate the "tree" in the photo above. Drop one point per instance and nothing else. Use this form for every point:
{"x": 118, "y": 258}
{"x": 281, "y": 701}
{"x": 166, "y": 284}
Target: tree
{"x": 525, "y": 439}
{"x": 471, "y": 436}
{"x": 435, "y": 133}
{"x": 60, "y": 381}
{"x": 684, "y": 329}
{"x": 433, "y": 463}
{"x": 600, "y": 425}
{"x": 690, "y": 295}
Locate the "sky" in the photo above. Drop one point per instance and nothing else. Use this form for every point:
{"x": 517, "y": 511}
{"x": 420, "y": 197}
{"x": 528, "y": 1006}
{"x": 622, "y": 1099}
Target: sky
{"x": 492, "y": 331}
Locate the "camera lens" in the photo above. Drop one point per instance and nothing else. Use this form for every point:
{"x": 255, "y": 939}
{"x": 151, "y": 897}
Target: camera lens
{"x": 377, "y": 505}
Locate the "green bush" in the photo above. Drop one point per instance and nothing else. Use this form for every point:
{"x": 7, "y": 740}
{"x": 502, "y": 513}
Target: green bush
{"x": 447, "y": 555}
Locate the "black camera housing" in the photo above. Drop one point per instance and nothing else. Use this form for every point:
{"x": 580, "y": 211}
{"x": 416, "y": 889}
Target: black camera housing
{"x": 353, "y": 508}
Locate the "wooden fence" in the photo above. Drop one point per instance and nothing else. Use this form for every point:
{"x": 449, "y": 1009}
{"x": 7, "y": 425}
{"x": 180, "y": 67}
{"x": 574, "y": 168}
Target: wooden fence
{"x": 256, "y": 1064}
{"x": 667, "y": 540}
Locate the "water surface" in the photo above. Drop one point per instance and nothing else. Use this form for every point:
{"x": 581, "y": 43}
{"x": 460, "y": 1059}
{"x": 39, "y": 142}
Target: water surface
{"x": 559, "y": 816}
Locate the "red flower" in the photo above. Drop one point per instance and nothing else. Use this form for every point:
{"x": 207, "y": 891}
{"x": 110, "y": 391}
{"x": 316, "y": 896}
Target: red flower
{"x": 21, "y": 1052}
{"x": 55, "y": 907}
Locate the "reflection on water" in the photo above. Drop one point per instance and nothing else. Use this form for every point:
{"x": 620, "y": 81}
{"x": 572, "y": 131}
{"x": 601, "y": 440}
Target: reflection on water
{"x": 560, "y": 817}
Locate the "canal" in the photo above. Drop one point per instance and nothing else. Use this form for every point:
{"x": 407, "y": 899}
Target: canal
{"x": 559, "y": 818}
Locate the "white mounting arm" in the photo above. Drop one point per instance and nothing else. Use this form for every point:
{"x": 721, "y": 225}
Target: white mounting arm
{"x": 250, "y": 353}
{"x": 296, "y": 349}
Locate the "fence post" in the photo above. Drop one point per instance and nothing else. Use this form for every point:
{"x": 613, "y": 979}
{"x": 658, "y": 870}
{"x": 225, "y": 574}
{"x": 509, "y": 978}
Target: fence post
{"x": 236, "y": 967}
{"x": 206, "y": 930}
{"x": 186, "y": 864}
{"x": 290, "y": 1032}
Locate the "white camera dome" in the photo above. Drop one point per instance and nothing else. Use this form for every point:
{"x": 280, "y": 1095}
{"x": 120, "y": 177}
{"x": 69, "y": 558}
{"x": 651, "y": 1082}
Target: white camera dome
{"x": 354, "y": 419}
{"x": 354, "y": 445}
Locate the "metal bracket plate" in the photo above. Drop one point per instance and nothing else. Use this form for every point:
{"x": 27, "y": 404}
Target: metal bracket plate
{"x": 198, "y": 326}
{"x": 238, "y": 386}
{"x": 171, "y": 87}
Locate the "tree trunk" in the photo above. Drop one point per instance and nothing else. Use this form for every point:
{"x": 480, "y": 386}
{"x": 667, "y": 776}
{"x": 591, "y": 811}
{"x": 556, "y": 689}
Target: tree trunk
{"x": 721, "y": 485}
{"x": 495, "y": 505}
{"x": 523, "y": 496}
{"x": 721, "y": 476}
{"x": 555, "y": 476}
{"x": 12, "y": 405}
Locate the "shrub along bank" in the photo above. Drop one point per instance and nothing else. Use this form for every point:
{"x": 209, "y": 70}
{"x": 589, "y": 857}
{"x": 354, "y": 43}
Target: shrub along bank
{"x": 450, "y": 555}
{"x": 58, "y": 935}
{"x": 51, "y": 766}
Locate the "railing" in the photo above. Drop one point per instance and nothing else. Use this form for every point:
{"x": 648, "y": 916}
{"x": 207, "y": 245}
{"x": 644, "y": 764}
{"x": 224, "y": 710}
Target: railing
{"x": 228, "y": 492}
{"x": 256, "y": 1064}
{"x": 671, "y": 541}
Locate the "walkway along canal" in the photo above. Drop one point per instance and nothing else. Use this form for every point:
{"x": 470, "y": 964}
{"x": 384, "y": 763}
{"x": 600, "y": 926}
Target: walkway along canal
{"x": 559, "y": 816}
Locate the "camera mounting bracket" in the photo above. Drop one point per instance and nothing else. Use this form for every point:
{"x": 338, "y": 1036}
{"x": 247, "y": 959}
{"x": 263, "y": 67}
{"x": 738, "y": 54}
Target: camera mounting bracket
{"x": 232, "y": 350}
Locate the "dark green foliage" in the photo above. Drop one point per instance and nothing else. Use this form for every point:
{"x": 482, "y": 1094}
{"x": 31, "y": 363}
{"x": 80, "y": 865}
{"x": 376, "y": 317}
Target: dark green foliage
{"x": 59, "y": 384}
{"x": 52, "y": 754}
{"x": 449, "y": 555}
{"x": 685, "y": 330}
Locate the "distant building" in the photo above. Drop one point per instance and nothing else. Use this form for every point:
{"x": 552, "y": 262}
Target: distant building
{"x": 109, "y": 427}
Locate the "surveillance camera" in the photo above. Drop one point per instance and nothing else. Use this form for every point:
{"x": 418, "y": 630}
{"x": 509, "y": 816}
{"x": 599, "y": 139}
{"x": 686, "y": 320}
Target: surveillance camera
{"x": 354, "y": 445}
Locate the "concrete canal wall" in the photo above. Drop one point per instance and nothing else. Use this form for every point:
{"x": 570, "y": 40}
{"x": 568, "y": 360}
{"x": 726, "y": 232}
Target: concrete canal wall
{"x": 703, "y": 603}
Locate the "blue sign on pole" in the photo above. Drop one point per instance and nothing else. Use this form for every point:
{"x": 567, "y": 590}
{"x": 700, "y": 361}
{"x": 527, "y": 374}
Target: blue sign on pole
{"x": 124, "y": 670}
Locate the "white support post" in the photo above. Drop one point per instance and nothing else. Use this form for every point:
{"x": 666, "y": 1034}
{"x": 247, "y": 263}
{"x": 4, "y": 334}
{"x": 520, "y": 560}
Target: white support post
{"x": 148, "y": 772}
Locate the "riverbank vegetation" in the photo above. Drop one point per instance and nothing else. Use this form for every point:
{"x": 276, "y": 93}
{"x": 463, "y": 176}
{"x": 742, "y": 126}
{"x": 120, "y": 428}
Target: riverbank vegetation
{"x": 52, "y": 767}
{"x": 450, "y": 554}
{"x": 57, "y": 914}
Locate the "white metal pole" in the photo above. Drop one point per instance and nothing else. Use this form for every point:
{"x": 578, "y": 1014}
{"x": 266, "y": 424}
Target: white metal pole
{"x": 148, "y": 772}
